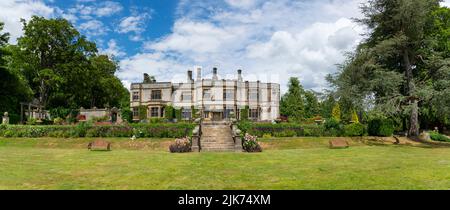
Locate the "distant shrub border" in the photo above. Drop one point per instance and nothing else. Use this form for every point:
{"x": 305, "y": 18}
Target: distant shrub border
{"x": 435, "y": 136}
{"x": 381, "y": 127}
{"x": 160, "y": 130}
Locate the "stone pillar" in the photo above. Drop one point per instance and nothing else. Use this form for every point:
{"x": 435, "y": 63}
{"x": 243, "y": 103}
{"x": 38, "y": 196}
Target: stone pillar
{"x": 5, "y": 120}
{"x": 196, "y": 139}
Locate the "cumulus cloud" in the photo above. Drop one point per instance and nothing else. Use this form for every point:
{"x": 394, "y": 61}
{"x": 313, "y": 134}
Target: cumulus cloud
{"x": 135, "y": 25}
{"x": 94, "y": 28}
{"x": 113, "y": 49}
{"x": 88, "y": 9}
{"x": 269, "y": 40}
{"x": 12, "y": 11}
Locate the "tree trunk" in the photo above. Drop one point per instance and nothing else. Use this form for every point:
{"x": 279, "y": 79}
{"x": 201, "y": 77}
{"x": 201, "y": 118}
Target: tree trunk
{"x": 414, "y": 118}
{"x": 414, "y": 128}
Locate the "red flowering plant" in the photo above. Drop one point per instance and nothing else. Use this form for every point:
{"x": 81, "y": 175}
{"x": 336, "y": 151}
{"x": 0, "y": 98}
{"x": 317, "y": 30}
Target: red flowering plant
{"x": 250, "y": 143}
{"x": 181, "y": 145}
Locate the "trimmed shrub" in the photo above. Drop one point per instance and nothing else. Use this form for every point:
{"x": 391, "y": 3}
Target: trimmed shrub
{"x": 381, "y": 127}
{"x": 333, "y": 128}
{"x": 161, "y": 130}
{"x": 169, "y": 113}
{"x": 354, "y": 129}
{"x": 127, "y": 115}
{"x": 244, "y": 113}
{"x": 281, "y": 129}
{"x": 435, "y": 136}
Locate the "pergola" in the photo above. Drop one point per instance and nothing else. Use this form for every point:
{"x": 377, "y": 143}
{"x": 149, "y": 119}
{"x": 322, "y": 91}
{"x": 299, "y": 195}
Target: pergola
{"x": 30, "y": 106}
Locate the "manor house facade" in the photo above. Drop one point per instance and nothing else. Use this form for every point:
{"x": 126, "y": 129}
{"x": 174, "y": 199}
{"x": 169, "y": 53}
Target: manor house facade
{"x": 213, "y": 98}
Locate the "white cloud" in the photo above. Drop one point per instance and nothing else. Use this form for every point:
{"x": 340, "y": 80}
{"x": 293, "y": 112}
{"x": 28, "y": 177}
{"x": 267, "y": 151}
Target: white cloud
{"x": 269, "y": 40}
{"x": 446, "y": 3}
{"x": 88, "y": 9}
{"x": 113, "y": 49}
{"x": 243, "y": 4}
{"x": 94, "y": 28}
{"x": 14, "y": 10}
{"x": 135, "y": 25}
{"x": 131, "y": 24}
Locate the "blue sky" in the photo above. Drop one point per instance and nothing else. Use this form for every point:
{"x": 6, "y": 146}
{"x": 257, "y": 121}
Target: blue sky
{"x": 270, "y": 40}
{"x": 156, "y": 18}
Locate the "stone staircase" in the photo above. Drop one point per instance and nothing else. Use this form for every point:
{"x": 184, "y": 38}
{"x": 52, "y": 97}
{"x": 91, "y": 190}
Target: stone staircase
{"x": 217, "y": 137}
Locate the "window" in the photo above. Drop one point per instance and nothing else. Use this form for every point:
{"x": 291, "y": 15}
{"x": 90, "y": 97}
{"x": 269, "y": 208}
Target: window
{"x": 253, "y": 95}
{"x": 228, "y": 95}
{"x": 186, "y": 113}
{"x": 207, "y": 94}
{"x": 135, "y": 96}
{"x": 135, "y": 112}
{"x": 156, "y": 95}
{"x": 227, "y": 113}
{"x": 254, "y": 113}
{"x": 186, "y": 96}
{"x": 154, "y": 112}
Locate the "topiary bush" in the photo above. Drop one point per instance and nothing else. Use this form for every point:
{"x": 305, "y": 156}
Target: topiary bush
{"x": 354, "y": 129}
{"x": 381, "y": 127}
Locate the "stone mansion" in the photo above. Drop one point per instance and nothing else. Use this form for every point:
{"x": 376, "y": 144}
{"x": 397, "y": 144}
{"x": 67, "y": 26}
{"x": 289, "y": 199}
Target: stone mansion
{"x": 215, "y": 99}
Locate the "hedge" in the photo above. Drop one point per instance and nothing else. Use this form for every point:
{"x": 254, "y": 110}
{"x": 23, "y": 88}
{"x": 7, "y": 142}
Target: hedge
{"x": 381, "y": 127}
{"x": 162, "y": 130}
{"x": 354, "y": 129}
{"x": 281, "y": 130}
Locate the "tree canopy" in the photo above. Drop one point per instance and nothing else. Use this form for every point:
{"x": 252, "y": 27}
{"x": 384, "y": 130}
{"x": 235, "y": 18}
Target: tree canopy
{"x": 55, "y": 64}
{"x": 402, "y": 69}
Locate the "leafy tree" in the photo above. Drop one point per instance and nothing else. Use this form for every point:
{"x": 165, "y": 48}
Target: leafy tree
{"x": 399, "y": 68}
{"x": 355, "y": 118}
{"x": 292, "y": 104}
{"x": 64, "y": 69}
{"x": 244, "y": 113}
{"x": 326, "y": 106}
{"x": 336, "y": 113}
{"x": 169, "y": 112}
{"x": 142, "y": 112}
{"x": 312, "y": 108}
{"x": 13, "y": 87}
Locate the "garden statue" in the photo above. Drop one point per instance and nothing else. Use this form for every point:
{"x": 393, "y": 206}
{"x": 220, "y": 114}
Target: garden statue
{"x": 5, "y": 120}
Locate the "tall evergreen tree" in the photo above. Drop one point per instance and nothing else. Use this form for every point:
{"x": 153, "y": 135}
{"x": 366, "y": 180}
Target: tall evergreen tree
{"x": 292, "y": 104}
{"x": 398, "y": 66}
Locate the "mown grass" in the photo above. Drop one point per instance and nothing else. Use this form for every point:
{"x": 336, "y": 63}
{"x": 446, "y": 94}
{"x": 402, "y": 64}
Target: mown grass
{"x": 288, "y": 163}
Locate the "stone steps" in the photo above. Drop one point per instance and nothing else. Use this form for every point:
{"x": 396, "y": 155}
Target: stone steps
{"x": 216, "y": 137}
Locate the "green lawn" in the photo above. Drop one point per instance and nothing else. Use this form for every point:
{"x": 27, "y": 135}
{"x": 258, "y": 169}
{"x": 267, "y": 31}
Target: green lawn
{"x": 291, "y": 163}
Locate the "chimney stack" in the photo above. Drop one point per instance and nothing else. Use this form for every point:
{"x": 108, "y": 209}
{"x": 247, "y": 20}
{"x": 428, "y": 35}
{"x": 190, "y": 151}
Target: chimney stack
{"x": 189, "y": 76}
{"x": 215, "y": 77}
{"x": 239, "y": 75}
{"x": 199, "y": 74}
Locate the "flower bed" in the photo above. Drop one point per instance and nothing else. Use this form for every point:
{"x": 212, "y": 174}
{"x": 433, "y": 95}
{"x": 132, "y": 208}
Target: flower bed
{"x": 181, "y": 145}
{"x": 250, "y": 143}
